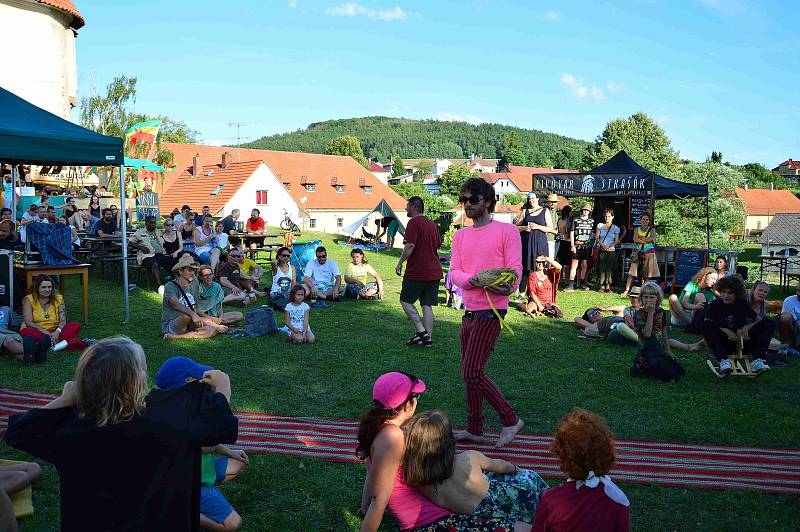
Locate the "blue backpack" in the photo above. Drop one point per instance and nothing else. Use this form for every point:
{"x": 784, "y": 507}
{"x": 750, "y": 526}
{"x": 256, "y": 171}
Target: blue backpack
{"x": 259, "y": 321}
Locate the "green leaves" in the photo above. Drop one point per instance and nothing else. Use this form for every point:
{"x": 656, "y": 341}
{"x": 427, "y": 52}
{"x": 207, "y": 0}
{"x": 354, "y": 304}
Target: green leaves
{"x": 347, "y": 145}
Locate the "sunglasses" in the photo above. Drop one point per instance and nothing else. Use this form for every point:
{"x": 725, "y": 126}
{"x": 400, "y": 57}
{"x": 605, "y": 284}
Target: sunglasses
{"x": 169, "y": 225}
{"x": 541, "y": 262}
{"x": 321, "y": 256}
{"x": 472, "y": 200}
{"x": 237, "y": 256}
{"x": 286, "y": 255}
{"x": 414, "y": 381}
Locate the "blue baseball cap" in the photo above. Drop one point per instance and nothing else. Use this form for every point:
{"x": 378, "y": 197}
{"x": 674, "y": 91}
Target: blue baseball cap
{"x": 174, "y": 372}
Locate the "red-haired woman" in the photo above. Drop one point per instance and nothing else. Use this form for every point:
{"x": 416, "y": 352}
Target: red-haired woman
{"x": 589, "y": 500}
{"x": 46, "y": 318}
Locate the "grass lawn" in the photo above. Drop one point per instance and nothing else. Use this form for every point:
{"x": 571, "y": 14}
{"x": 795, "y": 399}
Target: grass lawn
{"x": 544, "y": 370}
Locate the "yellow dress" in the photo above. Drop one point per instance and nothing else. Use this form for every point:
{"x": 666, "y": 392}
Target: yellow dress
{"x": 46, "y": 319}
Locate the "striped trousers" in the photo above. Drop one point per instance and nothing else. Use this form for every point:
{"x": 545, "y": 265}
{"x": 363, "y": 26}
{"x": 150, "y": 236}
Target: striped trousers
{"x": 478, "y": 336}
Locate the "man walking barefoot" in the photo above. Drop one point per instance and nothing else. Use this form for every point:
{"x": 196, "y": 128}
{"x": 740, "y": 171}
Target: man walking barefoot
{"x": 423, "y": 271}
{"x": 486, "y": 245}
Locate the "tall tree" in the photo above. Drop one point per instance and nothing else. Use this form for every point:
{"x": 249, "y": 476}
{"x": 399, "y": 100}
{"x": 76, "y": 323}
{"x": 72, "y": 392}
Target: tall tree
{"x": 423, "y": 170}
{"x": 641, "y": 138}
{"x": 453, "y": 178}
{"x": 108, "y": 113}
{"x": 347, "y": 145}
{"x": 511, "y": 151}
{"x": 398, "y": 168}
{"x": 716, "y": 157}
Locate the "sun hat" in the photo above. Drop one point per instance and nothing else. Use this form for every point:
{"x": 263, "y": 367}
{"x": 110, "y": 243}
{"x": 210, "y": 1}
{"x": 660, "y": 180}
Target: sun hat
{"x": 185, "y": 261}
{"x": 635, "y": 291}
{"x": 174, "y": 372}
{"x": 586, "y": 207}
{"x": 552, "y": 198}
{"x": 392, "y": 389}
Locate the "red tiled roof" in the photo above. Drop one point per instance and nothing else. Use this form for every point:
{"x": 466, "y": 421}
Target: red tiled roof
{"x": 293, "y": 169}
{"x": 794, "y": 165}
{"x": 522, "y": 180}
{"x": 67, "y": 7}
{"x": 196, "y": 192}
{"x": 375, "y": 167}
{"x": 762, "y": 201}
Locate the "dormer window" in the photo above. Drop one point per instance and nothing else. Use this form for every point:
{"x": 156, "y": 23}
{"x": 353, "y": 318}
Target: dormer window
{"x": 339, "y": 188}
{"x": 367, "y": 189}
{"x": 310, "y": 188}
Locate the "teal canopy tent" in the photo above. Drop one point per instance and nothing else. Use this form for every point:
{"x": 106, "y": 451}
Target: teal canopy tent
{"x": 142, "y": 164}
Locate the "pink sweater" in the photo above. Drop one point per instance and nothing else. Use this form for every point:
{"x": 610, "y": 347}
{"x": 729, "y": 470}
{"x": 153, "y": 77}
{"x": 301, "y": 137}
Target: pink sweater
{"x": 496, "y": 245}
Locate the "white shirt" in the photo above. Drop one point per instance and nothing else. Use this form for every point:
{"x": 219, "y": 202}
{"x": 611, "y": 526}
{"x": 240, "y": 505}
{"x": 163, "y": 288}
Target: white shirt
{"x": 297, "y": 315}
{"x": 322, "y": 273}
{"x": 222, "y": 240}
{"x": 792, "y": 305}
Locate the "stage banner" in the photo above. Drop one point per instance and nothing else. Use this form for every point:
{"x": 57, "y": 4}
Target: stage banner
{"x": 571, "y": 185}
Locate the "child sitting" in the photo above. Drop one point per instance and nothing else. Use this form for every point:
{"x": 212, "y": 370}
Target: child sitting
{"x": 727, "y": 316}
{"x": 218, "y": 464}
{"x": 468, "y": 482}
{"x": 297, "y": 326}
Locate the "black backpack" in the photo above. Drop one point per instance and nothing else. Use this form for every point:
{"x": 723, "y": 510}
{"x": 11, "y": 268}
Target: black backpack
{"x": 655, "y": 364}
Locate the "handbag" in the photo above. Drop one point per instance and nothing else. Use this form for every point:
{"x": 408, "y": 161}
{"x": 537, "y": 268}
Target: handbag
{"x": 653, "y": 363}
{"x": 597, "y": 246}
{"x": 638, "y": 254}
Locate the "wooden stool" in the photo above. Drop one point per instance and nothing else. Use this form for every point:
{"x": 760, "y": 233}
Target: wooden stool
{"x": 739, "y": 362}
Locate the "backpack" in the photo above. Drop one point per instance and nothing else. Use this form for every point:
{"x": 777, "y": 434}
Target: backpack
{"x": 653, "y": 363}
{"x": 259, "y": 321}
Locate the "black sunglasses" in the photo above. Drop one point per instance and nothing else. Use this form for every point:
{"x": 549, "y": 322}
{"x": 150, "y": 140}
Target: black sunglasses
{"x": 541, "y": 262}
{"x": 321, "y": 256}
{"x": 473, "y": 200}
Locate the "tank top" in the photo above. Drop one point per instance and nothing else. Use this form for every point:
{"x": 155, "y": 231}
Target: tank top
{"x": 211, "y": 244}
{"x": 188, "y": 240}
{"x": 281, "y": 282}
{"x": 650, "y": 247}
{"x": 47, "y": 319}
{"x": 171, "y": 247}
{"x": 409, "y": 506}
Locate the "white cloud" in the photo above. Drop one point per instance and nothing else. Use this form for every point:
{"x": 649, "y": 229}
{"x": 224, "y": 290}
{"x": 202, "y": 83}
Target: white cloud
{"x": 581, "y": 90}
{"x": 213, "y": 142}
{"x": 352, "y": 9}
{"x": 293, "y": 3}
{"x": 552, "y": 16}
{"x": 453, "y": 117}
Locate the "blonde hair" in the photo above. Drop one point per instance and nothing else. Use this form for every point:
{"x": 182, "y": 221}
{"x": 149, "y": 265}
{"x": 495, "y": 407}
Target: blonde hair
{"x": 111, "y": 380}
{"x": 650, "y": 288}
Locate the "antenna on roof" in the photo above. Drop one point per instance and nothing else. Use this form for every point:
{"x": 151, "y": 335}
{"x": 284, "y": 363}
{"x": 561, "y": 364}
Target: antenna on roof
{"x": 239, "y": 138}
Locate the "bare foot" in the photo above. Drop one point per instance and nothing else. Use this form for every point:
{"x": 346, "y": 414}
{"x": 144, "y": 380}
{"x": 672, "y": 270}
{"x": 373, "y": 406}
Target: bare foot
{"x": 697, "y": 346}
{"x": 168, "y": 336}
{"x": 508, "y": 434}
{"x": 464, "y": 435}
{"x": 221, "y": 328}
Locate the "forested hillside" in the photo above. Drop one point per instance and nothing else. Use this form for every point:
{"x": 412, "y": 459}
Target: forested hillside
{"x": 382, "y": 137}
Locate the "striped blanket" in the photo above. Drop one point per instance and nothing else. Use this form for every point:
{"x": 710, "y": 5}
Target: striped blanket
{"x": 639, "y": 461}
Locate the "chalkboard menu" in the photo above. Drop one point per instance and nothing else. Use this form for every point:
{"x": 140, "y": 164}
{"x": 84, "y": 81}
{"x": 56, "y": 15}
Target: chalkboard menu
{"x": 147, "y": 205}
{"x": 636, "y": 208}
{"x": 687, "y": 263}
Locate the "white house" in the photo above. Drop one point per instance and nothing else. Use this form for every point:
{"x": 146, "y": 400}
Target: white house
{"x": 319, "y": 192}
{"x": 380, "y": 171}
{"x": 38, "y": 52}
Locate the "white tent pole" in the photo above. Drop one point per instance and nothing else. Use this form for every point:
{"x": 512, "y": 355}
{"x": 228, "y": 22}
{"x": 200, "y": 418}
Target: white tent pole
{"x": 14, "y": 191}
{"x": 124, "y": 226}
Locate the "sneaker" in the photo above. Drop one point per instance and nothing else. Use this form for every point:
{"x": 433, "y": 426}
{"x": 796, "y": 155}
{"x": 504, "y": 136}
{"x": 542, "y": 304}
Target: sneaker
{"x": 725, "y": 366}
{"x": 758, "y": 365}
{"x": 569, "y": 288}
{"x": 161, "y": 290}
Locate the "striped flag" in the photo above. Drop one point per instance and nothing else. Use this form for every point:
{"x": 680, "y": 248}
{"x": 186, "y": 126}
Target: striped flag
{"x": 144, "y": 131}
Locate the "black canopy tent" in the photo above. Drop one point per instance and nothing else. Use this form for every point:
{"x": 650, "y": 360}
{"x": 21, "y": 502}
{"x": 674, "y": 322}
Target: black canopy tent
{"x": 621, "y": 176}
{"x": 31, "y": 135}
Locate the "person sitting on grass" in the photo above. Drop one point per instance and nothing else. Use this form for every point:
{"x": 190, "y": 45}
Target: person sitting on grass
{"x": 296, "y": 316}
{"x": 363, "y": 282}
{"x": 45, "y": 318}
{"x": 205, "y": 242}
{"x": 789, "y": 322}
{"x": 756, "y": 297}
{"x": 230, "y": 277}
{"x": 211, "y": 298}
{"x": 222, "y": 238}
{"x": 250, "y": 274}
{"x": 179, "y": 315}
{"x": 588, "y": 500}
{"x": 694, "y": 297}
{"x": 468, "y": 482}
{"x": 128, "y": 456}
{"x": 218, "y": 464}
{"x": 283, "y": 278}
{"x": 541, "y": 291}
{"x": 322, "y": 277}
{"x": 23, "y": 349}
{"x": 727, "y": 316}
{"x": 14, "y": 478}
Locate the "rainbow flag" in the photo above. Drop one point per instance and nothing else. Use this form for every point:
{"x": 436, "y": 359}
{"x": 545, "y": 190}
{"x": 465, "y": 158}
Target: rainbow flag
{"x": 144, "y": 131}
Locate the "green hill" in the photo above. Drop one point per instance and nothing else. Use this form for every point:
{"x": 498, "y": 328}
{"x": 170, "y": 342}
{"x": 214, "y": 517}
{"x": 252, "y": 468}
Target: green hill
{"x": 383, "y": 137}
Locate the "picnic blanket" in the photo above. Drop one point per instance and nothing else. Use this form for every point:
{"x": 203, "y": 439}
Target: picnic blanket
{"x": 638, "y": 461}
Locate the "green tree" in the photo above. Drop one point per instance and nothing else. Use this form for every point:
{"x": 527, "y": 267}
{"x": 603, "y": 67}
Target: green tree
{"x": 716, "y": 157}
{"x": 437, "y": 208}
{"x": 424, "y": 169}
{"x": 511, "y": 151}
{"x": 512, "y": 198}
{"x": 453, "y": 178}
{"x": 643, "y": 139}
{"x": 398, "y": 170}
{"x": 347, "y": 145}
{"x": 108, "y": 113}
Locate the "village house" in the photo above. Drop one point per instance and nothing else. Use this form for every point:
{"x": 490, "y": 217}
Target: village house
{"x": 761, "y": 205}
{"x": 788, "y": 169}
{"x": 518, "y": 182}
{"x": 319, "y": 192}
{"x": 380, "y": 171}
{"x": 38, "y": 54}
{"x": 782, "y": 237}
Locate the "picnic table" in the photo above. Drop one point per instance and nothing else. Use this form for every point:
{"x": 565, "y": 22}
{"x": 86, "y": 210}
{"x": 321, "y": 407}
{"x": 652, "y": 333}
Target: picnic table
{"x": 29, "y": 271}
{"x": 787, "y": 266}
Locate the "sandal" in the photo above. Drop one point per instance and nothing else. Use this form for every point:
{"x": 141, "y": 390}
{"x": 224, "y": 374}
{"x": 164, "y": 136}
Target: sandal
{"x": 418, "y": 338}
{"x": 427, "y": 342}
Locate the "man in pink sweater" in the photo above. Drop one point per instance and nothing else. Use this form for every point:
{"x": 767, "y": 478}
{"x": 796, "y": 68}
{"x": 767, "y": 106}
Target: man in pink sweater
{"x": 487, "y": 244}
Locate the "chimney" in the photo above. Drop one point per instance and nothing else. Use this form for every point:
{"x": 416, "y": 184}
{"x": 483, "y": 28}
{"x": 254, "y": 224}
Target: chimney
{"x": 196, "y": 165}
{"x": 226, "y": 156}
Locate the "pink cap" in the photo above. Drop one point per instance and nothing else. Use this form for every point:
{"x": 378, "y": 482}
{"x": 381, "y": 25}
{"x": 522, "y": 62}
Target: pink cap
{"x": 392, "y": 389}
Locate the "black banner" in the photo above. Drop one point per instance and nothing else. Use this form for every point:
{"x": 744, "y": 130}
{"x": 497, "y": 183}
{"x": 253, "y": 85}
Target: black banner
{"x": 147, "y": 205}
{"x": 570, "y": 185}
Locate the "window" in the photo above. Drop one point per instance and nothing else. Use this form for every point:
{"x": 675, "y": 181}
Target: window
{"x": 368, "y": 190}
{"x": 339, "y": 222}
{"x": 340, "y": 188}
{"x": 310, "y": 188}
{"x": 261, "y": 197}
{"x": 312, "y": 222}
{"x": 218, "y": 189}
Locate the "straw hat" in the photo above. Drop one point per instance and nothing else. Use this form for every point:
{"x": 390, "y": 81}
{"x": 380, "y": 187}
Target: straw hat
{"x": 186, "y": 261}
{"x": 586, "y": 207}
{"x": 552, "y": 198}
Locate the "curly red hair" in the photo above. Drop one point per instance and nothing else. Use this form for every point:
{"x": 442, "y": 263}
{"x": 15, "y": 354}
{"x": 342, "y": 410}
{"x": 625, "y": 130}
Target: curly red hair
{"x": 583, "y": 442}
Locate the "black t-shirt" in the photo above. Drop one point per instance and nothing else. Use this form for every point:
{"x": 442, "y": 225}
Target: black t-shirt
{"x": 139, "y": 475}
{"x": 11, "y": 244}
{"x": 583, "y": 229}
{"x": 732, "y": 316}
{"x": 228, "y": 224}
{"x": 109, "y": 228}
{"x": 232, "y": 273}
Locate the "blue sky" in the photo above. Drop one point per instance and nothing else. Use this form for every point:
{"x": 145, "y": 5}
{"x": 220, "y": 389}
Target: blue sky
{"x": 716, "y": 74}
